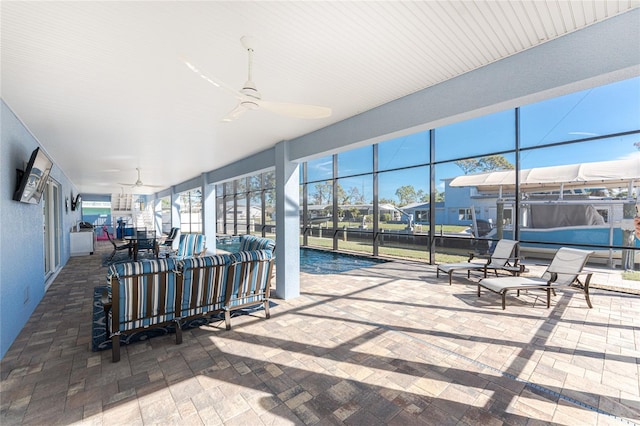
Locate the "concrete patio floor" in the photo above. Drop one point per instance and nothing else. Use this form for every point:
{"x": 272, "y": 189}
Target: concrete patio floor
{"x": 389, "y": 344}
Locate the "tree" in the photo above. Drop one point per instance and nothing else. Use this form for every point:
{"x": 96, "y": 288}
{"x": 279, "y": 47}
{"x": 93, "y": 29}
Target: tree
{"x": 354, "y": 196}
{"x": 341, "y": 195}
{"x": 386, "y": 201}
{"x": 484, "y": 164}
{"x": 322, "y": 193}
{"x": 407, "y": 194}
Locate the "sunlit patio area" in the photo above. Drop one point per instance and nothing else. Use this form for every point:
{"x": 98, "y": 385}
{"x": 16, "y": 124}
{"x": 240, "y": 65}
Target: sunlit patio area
{"x": 389, "y": 344}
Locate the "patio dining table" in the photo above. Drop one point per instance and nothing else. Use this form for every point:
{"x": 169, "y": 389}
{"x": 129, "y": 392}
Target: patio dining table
{"x": 135, "y": 246}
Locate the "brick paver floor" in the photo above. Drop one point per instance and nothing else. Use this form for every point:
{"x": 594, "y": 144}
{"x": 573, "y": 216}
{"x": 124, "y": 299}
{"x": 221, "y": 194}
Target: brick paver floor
{"x": 390, "y": 344}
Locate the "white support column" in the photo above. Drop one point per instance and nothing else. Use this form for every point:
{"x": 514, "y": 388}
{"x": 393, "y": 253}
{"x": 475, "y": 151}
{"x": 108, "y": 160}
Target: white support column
{"x": 157, "y": 215}
{"x": 175, "y": 210}
{"x": 209, "y": 213}
{"x": 287, "y": 224}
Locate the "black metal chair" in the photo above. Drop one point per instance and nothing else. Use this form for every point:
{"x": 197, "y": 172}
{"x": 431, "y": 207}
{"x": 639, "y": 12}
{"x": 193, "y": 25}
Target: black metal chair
{"x": 116, "y": 247}
{"x": 147, "y": 243}
{"x": 172, "y": 236}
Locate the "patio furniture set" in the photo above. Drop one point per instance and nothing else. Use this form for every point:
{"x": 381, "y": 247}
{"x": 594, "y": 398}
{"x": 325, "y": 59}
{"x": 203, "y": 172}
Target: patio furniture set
{"x": 176, "y": 245}
{"x": 159, "y": 292}
{"x": 564, "y": 271}
{"x": 187, "y": 284}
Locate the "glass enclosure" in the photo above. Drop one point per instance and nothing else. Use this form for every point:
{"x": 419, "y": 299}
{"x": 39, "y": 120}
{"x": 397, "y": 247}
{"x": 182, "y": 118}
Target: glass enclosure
{"x": 436, "y": 195}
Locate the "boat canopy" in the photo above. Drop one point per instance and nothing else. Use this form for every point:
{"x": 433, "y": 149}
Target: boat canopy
{"x": 602, "y": 174}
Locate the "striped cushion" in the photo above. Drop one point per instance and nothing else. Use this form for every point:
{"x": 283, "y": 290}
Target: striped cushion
{"x": 243, "y": 256}
{"x": 250, "y": 278}
{"x": 200, "y": 244}
{"x": 204, "y": 285}
{"x": 145, "y": 266}
{"x": 191, "y": 245}
{"x": 185, "y": 248}
{"x": 251, "y": 242}
{"x": 143, "y": 299}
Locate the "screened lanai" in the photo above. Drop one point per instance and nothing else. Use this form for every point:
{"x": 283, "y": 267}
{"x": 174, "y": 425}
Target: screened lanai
{"x": 123, "y": 98}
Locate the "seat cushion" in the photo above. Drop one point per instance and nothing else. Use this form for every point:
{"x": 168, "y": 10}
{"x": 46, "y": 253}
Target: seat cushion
{"x": 446, "y": 267}
{"x": 251, "y": 242}
{"x": 511, "y": 283}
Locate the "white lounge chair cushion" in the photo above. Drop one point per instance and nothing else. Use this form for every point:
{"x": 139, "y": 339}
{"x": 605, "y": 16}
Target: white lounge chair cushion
{"x": 446, "y": 267}
{"x": 512, "y": 283}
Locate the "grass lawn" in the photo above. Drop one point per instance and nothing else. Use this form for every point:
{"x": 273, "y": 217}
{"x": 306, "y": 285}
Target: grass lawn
{"x": 631, "y": 275}
{"x": 412, "y": 253}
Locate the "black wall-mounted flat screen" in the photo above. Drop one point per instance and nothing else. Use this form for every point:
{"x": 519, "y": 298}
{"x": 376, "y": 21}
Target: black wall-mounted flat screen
{"x": 33, "y": 180}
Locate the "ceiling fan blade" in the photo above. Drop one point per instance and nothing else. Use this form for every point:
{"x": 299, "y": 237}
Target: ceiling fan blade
{"x": 138, "y": 183}
{"x": 296, "y": 110}
{"x": 250, "y": 98}
{"x": 212, "y": 80}
{"x": 235, "y": 113}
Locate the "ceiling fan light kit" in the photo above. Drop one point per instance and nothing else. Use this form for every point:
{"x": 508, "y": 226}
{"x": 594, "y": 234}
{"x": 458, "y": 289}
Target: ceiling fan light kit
{"x": 249, "y": 98}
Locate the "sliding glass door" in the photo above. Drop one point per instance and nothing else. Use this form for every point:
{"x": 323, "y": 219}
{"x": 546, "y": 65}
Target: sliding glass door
{"x": 52, "y": 221}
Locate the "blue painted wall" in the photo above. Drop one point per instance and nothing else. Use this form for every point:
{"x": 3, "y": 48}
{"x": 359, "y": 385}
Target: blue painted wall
{"x": 21, "y": 232}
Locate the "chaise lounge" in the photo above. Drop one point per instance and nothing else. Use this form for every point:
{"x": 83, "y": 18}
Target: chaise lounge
{"x": 564, "y": 270}
{"x": 501, "y": 259}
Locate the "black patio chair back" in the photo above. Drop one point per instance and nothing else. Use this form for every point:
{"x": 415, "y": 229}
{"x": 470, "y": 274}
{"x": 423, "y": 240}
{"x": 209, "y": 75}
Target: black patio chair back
{"x": 116, "y": 247}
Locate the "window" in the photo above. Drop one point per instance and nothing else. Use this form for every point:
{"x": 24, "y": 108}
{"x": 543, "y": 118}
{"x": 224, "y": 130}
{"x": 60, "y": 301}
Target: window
{"x": 190, "y": 203}
{"x": 582, "y": 115}
{"x": 320, "y": 169}
{"x": 472, "y": 174}
{"x": 355, "y": 162}
{"x": 479, "y": 136}
{"x": 247, "y": 205}
{"x": 464, "y": 214}
{"x": 403, "y": 152}
{"x": 165, "y": 213}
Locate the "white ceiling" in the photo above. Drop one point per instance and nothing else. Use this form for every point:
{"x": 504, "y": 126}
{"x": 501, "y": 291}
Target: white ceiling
{"x": 104, "y": 88}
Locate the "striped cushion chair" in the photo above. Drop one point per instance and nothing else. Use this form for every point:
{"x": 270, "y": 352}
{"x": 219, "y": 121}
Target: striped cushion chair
{"x": 249, "y": 282}
{"x": 204, "y": 284}
{"x": 143, "y": 294}
{"x": 251, "y": 242}
{"x": 191, "y": 245}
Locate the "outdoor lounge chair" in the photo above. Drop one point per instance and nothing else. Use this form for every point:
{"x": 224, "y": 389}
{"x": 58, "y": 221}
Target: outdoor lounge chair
{"x": 500, "y": 259}
{"x": 564, "y": 270}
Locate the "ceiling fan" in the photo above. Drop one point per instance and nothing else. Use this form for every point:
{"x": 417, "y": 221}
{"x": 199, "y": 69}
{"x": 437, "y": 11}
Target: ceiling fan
{"x": 138, "y": 183}
{"x": 249, "y": 98}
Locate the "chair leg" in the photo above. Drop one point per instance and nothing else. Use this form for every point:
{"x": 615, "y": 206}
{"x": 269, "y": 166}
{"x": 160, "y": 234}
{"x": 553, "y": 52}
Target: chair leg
{"x": 115, "y": 348}
{"x": 478, "y": 289}
{"x": 586, "y": 291}
{"x": 266, "y": 309}
{"x": 504, "y": 300}
{"x": 178, "y": 332}
{"x": 106, "y": 307}
{"x": 549, "y": 290}
{"x": 450, "y": 274}
{"x": 227, "y": 319}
